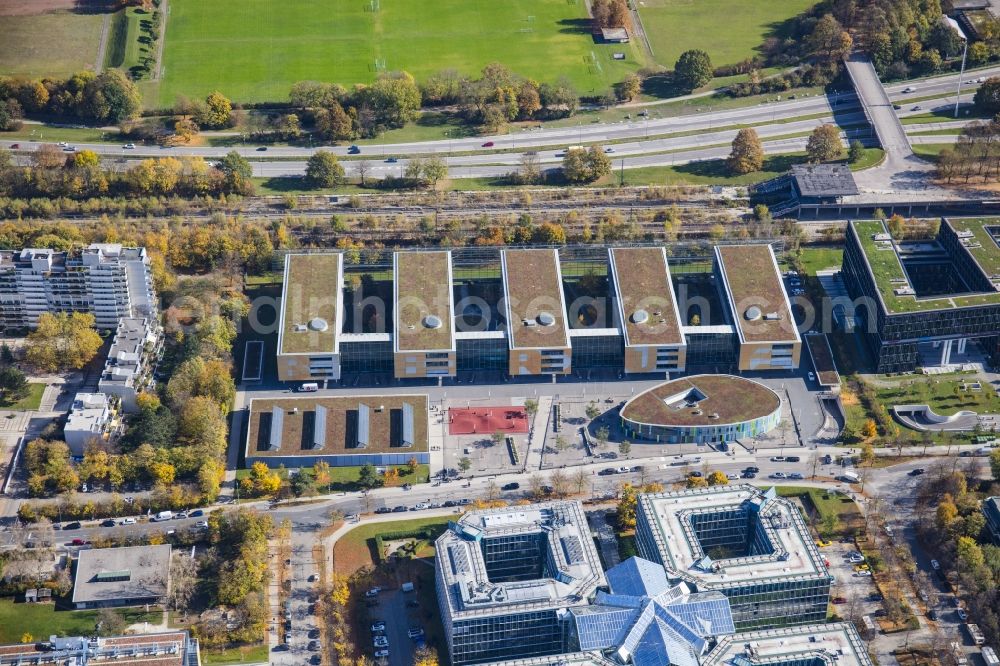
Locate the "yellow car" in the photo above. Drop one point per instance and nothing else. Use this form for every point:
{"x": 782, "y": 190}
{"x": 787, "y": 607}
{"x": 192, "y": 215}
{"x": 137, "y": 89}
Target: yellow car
{"x": 823, "y": 544}
{"x": 862, "y": 567}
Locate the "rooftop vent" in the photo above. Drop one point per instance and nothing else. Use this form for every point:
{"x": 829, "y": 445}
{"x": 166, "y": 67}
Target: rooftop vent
{"x": 528, "y": 322}
{"x": 640, "y": 317}
{"x": 317, "y": 324}
{"x": 772, "y": 316}
{"x": 431, "y": 321}
{"x": 752, "y": 313}
{"x": 300, "y": 328}
{"x": 904, "y": 291}
{"x": 546, "y": 319}
{"x": 882, "y": 237}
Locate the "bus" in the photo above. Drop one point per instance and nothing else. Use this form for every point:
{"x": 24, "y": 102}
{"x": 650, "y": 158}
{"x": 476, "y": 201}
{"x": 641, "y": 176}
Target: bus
{"x": 990, "y": 657}
{"x": 976, "y": 634}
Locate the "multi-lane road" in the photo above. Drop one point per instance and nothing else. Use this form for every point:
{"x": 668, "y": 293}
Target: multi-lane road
{"x": 636, "y": 142}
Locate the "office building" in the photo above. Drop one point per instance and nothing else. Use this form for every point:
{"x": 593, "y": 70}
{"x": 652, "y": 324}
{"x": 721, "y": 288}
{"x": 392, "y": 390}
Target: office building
{"x": 103, "y": 279}
{"x": 129, "y": 576}
{"x": 168, "y": 648}
{"x": 919, "y": 303}
{"x": 702, "y": 409}
{"x": 343, "y": 432}
{"x": 991, "y": 511}
{"x": 506, "y": 579}
{"x": 530, "y": 312}
{"x": 820, "y": 644}
{"x": 747, "y": 544}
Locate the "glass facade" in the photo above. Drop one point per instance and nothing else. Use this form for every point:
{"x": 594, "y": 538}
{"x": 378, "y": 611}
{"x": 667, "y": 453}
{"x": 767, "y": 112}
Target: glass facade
{"x": 704, "y": 434}
{"x": 482, "y": 353}
{"x": 598, "y": 351}
{"x": 514, "y": 636}
{"x": 365, "y": 356}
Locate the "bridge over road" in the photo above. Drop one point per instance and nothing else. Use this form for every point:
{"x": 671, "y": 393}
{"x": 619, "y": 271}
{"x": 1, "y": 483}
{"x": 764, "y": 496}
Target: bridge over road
{"x": 878, "y": 107}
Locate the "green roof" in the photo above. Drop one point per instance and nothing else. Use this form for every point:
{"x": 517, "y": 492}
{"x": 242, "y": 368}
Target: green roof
{"x": 886, "y": 267}
{"x": 423, "y": 291}
{"x": 987, "y": 255}
{"x": 310, "y": 304}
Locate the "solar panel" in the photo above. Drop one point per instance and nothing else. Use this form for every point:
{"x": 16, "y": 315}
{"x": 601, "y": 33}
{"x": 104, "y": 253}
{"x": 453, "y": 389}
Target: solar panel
{"x": 319, "y": 428}
{"x": 408, "y": 437}
{"x": 364, "y": 429}
{"x": 113, "y": 576}
{"x": 573, "y": 548}
{"x": 277, "y": 426}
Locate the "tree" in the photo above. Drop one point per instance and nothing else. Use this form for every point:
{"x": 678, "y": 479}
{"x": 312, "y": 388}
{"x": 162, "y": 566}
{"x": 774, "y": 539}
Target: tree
{"x": 987, "y": 97}
{"x": 582, "y": 165}
{"x": 13, "y": 384}
{"x": 946, "y": 512}
{"x": 236, "y": 168}
{"x": 602, "y": 435}
{"x": 627, "y": 502}
{"x": 995, "y": 464}
{"x": 718, "y": 478}
{"x": 183, "y": 578}
{"x": 855, "y": 152}
{"x": 693, "y": 70}
{"x": 579, "y": 480}
{"x": 696, "y": 481}
{"x": 630, "y": 87}
{"x": 324, "y": 169}
{"x": 828, "y": 40}
{"x": 112, "y": 97}
{"x": 197, "y": 377}
{"x": 464, "y": 464}
{"x": 970, "y": 555}
{"x": 867, "y": 455}
{"x": 368, "y": 477}
{"x": 390, "y": 478}
{"x": 530, "y": 407}
{"x": 109, "y": 623}
{"x": 425, "y": 656}
{"x": 333, "y": 123}
{"x": 747, "y": 154}
{"x": 824, "y": 144}
{"x": 63, "y": 341}
{"x": 217, "y": 112}
{"x": 625, "y": 447}
{"x": 394, "y": 99}
{"x": 870, "y": 429}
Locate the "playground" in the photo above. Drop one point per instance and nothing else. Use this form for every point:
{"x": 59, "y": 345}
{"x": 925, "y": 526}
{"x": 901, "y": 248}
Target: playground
{"x": 487, "y": 420}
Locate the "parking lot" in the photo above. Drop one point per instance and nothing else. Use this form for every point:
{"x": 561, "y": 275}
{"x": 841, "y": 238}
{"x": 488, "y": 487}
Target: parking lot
{"x": 396, "y": 612}
{"x": 856, "y": 594}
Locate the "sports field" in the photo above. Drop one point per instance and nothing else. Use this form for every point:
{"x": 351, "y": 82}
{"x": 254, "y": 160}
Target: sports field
{"x": 55, "y": 43}
{"x": 729, "y": 30}
{"x": 254, "y": 50}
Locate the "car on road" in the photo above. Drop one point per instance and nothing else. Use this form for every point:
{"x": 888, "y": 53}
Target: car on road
{"x": 778, "y": 459}
{"x": 378, "y": 626}
{"x": 399, "y": 509}
{"x": 752, "y": 468}
{"x": 353, "y": 150}
{"x": 127, "y": 521}
{"x": 69, "y": 149}
{"x": 383, "y": 509}
{"x": 380, "y": 642}
{"x": 863, "y": 573}
{"x": 382, "y": 653}
{"x": 839, "y": 600}
{"x": 15, "y": 146}
{"x": 129, "y": 146}
{"x": 935, "y": 565}
{"x": 909, "y": 89}
{"x": 75, "y": 525}
{"x": 110, "y": 522}
{"x": 792, "y": 459}
{"x": 261, "y": 149}
{"x": 392, "y": 160}
{"x": 778, "y": 475}
{"x": 609, "y": 149}
{"x": 488, "y": 144}
{"x": 962, "y": 615}
{"x": 511, "y": 486}
{"x": 748, "y": 475}
{"x": 917, "y": 471}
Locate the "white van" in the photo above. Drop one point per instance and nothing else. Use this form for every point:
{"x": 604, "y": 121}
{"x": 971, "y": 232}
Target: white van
{"x": 163, "y": 515}
{"x": 309, "y": 387}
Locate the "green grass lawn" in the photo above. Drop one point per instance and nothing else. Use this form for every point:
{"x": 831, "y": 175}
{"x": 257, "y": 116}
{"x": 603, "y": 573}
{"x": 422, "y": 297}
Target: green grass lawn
{"x": 29, "y": 402}
{"x": 847, "y": 512}
{"x": 52, "y": 44}
{"x": 353, "y": 550}
{"x": 729, "y": 30}
{"x": 124, "y": 45}
{"x": 256, "y": 54}
{"x": 943, "y": 393}
{"x": 43, "y": 620}
{"x": 706, "y": 172}
{"x": 253, "y": 654}
{"x": 872, "y": 157}
{"x": 818, "y": 258}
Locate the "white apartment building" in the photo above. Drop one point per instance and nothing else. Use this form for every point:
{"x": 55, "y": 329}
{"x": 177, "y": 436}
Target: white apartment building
{"x": 91, "y": 419}
{"x": 104, "y": 279}
{"x": 131, "y": 360}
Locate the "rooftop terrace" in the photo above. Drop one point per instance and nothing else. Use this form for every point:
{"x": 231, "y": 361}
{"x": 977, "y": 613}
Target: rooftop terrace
{"x": 759, "y": 305}
{"x": 310, "y": 311}
{"x": 985, "y": 248}
{"x": 424, "y": 316}
{"x": 536, "y": 306}
{"x": 331, "y": 426}
{"x": 681, "y": 523}
{"x": 645, "y": 296}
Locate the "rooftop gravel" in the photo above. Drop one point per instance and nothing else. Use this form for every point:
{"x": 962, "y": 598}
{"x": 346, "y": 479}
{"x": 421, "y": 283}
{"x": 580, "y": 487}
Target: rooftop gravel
{"x": 311, "y": 290}
{"x": 643, "y": 283}
{"x": 423, "y": 287}
{"x": 532, "y": 287}
{"x": 754, "y": 281}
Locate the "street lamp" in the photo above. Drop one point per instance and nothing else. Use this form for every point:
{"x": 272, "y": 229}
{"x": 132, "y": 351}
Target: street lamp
{"x": 953, "y": 24}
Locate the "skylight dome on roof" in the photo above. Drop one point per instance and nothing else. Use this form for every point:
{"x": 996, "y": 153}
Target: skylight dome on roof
{"x": 318, "y": 324}
{"x": 546, "y": 319}
{"x": 432, "y": 321}
{"x": 640, "y": 317}
{"x": 752, "y": 313}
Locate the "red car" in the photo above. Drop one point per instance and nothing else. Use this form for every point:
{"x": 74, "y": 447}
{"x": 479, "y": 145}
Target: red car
{"x": 79, "y": 542}
{"x": 839, "y": 600}
{"x": 15, "y": 146}
{"x": 488, "y": 144}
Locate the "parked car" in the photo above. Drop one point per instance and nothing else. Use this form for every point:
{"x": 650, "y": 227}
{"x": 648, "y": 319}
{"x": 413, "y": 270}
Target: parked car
{"x": 110, "y": 522}
{"x": 696, "y": 474}
{"x": 823, "y": 543}
{"x": 197, "y": 513}
{"x": 795, "y": 475}
{"x": 420, "y": 506}
{"x": 863, "y": 573}
{"x": 778, "y": 475}
{"x": 732, "y": 476}
{"x": 839, "y": 600}
{"x": 383, "y": 509}
{"x": 380, "y": 641}
{"x": 511, "y": 486}
{"x": 399, "y": 509}
{"x": 415, "y": 631}
{"x": 607, "y": 471}
{"x": 378, "y": 626}
{"x": 202, "y": 525}
{"x": 962, "y": 615}
{"x": 127, "y": 521}
{"x": 373, "y": 592}
{"x": 935, "y": 565}
{"x": 78, "y": 542}
{"x": 75, "y": 525}
{"x": 777, "y": 458}
{"x": 488, "y": 144}
{"x": 382, "y": 653}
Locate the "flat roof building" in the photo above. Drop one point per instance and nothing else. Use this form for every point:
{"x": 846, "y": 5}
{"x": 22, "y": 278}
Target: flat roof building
{"x": 128, "y": 370}
{"x": 507, "y": 577}
{"x": 646, "y": 310}
{"x": 535, "y": 311}
{"x": 991, "y": 510}
{"x": 342, "y": 431}
{"x": 750, "y": 545}
{"x": 169, "y": 648}
{"x": 424, "y": 337}
{"x": 311, "y": 317}
{"x": 129, "y": 576}
{"x": 759, "y": 307}
{"x": 702, "y": 409}
{"x": 91, "y": 419}
{"x": 817, "y": 644}
{"x": 918, "y": 303}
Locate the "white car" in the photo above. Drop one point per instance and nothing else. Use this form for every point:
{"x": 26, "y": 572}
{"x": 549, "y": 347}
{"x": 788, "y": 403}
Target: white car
{"x": 909, "y": 89}
{"x": 201, "y": 524}
{"x": 863, "y": 573}
{"x": 127, "y": 521}
{"x": 935, "y": 565}
{"x": 420, "y": 506}
{"x": 812, "y": 376}
{"x": 129, "y": 146}
{"x": 778, "y": 475}
{"x": 732, "y": 476}
{"x": 382, "y": 653}
{"x": 381, "y": 642}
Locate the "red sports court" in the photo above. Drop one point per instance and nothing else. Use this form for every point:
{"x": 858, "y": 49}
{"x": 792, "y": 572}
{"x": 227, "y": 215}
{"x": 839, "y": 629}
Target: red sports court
{"x": 487, "y": 420}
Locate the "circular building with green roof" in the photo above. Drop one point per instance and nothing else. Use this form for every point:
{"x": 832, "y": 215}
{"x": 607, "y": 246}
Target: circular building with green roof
{"x": 702, "y": 409}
